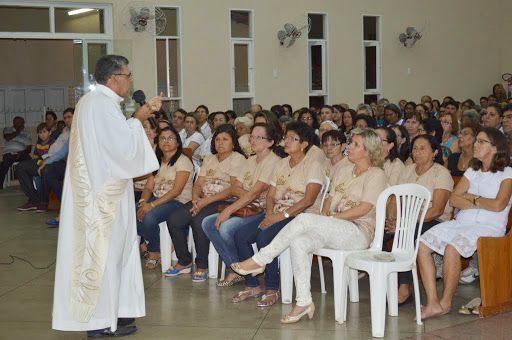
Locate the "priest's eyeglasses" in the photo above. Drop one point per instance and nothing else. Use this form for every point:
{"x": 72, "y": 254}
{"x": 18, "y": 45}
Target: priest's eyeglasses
{"x": 129, "y": 75}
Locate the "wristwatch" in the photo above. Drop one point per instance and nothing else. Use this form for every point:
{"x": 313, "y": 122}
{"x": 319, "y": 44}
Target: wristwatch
{"x": 286, "y": 215}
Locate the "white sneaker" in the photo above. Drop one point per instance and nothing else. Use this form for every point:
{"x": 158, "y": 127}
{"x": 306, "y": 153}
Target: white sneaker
{"x": 468, "y": 275}
{"x": 438, "y": 262}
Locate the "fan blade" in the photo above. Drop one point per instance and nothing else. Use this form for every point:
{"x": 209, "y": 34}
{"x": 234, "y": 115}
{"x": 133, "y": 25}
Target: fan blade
{"x": 281, "y": 35}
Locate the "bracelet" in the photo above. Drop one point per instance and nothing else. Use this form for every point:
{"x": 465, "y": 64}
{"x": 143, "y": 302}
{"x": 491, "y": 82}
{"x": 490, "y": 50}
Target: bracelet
{"x": 475, "y": 199}
{"x": 152, "y": 205}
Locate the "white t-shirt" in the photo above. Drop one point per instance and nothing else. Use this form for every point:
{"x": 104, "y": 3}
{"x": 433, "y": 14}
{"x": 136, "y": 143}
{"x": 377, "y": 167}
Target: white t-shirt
{"x": 196, "y": 137}
{"x": 486, "y": 184}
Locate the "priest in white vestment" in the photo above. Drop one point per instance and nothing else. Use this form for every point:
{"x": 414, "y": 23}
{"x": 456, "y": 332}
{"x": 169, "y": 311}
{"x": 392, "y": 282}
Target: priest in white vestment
{"x": 98, "y": 276}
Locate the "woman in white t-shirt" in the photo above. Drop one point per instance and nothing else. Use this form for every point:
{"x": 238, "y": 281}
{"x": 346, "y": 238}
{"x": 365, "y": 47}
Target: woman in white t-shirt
{"x": 165, "y": 191}
{"x": 193, "y": 138}
{"x": 483, "y": 197}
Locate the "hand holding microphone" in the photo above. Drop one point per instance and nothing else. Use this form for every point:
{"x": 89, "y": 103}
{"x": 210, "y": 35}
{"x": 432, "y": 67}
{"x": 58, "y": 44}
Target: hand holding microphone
{"x": 146, "y": 109}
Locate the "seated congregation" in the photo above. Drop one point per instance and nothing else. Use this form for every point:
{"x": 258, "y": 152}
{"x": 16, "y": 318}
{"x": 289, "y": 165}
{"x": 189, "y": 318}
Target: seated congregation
{"x": 252, "y": 187}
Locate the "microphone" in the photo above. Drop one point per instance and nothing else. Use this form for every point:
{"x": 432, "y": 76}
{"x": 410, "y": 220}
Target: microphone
{"x": 139, "y": 97}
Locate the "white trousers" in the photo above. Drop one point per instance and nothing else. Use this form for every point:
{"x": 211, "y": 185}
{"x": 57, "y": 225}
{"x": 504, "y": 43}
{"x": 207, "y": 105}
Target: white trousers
{"x": 304, "y": 235}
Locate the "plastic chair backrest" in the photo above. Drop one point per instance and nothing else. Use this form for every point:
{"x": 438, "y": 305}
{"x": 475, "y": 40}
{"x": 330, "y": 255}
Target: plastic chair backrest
{"x": 412, "y": 201}
{"x": 324, "y": 191}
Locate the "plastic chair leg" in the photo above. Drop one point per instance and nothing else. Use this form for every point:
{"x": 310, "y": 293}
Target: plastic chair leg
{"x": 213, "y": 262}
{"x": 353, "y": 285}
{"x": 392, "y": 293}
{"x": 165, "y": 247}
{"x": 343, "y": 294}
{"x": 285, "y": 268}
{"x": 337, "y": 277}
{"x": 417, "y": 301}
{"x": 322, "y": 278}
{"x": 378, "y": 284}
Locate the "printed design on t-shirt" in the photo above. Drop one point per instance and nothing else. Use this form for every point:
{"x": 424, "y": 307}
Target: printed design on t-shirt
{"x": 281, "y": 180}
{"x": 210, "y": 172}
{"x": 248, "y": 178}
{"x": 289, "y": 198}
{"x": 214, "y": 186}
{"x": 162, "y": 187}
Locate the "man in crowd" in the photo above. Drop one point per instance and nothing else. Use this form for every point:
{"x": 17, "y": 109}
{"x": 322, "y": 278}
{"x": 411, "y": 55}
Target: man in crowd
{"x": 16, "y": 148}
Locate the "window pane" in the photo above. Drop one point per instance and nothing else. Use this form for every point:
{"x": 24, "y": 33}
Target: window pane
{"x": 370, "y": 28}
{"x": 241, "y": 105}
{"x": 240, "y": 24}
{"x": 370, "y": 98}
{"x": 241, "y": 67}
{"x": 169, "y": 106}
{"x": 174, "y": 74}
{"x": 171, "y": 26}
{"x": 87, "y": 22}
{"x": 370, "y": 67}
{"x": 316, "y": 101}
{"x": 317, "y": 26}
{"x": 24, "y": 19}
{"x": 161, "y": 67}
{"x": 316, "y": 68}
{"x": 94, "y": 52}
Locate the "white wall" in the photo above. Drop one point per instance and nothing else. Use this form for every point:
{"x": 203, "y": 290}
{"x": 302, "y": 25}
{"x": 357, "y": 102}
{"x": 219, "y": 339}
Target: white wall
{"x": 463, "y": 51}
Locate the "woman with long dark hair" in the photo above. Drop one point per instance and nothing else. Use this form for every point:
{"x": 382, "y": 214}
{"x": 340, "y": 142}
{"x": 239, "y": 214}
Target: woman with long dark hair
{"x": 165, "y": 191}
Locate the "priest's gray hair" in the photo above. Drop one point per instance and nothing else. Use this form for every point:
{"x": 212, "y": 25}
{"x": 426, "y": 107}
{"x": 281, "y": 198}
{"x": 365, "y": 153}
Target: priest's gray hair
{"x": 107, "y": 66}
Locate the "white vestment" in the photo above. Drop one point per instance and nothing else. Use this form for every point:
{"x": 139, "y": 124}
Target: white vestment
{"x": 98, "y": 275}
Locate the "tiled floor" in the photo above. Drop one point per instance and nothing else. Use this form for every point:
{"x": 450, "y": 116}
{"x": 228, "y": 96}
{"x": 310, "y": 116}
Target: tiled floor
{"x": 178, "y": 309}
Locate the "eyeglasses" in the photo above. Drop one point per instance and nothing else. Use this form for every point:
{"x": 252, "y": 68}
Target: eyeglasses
{"x": 251, "y": 137}
{"x": 167, "y": 139}
{"x": 483, "y": 141}
{"x": 129, "y": 75}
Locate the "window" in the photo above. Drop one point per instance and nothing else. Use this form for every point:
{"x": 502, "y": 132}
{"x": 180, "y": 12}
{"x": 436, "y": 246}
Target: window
{"x": 317, "y": 60}
{"x": 242, "y": 76}
{"x": 371, "y": 53}
{"x": 56, "y": 20}
{"x": 168, "y": 60}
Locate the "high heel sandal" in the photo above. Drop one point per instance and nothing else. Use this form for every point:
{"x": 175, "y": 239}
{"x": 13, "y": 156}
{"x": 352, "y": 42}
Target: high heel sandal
{"x": 248, "y": 292}
{"x": 239, "y": 270}
{"x": 310, "y": 311}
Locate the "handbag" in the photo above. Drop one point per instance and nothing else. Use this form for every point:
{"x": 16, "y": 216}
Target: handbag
{"x": 247, "y": 211}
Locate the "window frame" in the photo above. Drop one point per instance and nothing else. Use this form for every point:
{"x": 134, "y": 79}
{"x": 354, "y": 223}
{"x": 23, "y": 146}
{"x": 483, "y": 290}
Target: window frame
{"x": 251, "y": 94}
{"x": 107, "y": 21}
{"x": 178, "y": 38}
{"x": 378, "y": 56}
{"x": 325, "y": 60}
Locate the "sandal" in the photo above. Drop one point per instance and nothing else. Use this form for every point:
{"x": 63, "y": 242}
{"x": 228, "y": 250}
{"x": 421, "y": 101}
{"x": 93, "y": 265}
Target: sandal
{"x": 248, "y": 292}
{"x": 232, "y": 282}
{"x": 152, "y": 263}
{"x": 268, "y": 299}
{"x": 472, "y": 307}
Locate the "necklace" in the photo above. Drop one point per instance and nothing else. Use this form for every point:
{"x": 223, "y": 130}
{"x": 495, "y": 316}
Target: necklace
{"x": 354, "y": 175}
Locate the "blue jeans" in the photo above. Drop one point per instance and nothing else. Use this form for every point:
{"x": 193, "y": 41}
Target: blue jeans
{"x": 224, "y": 239}
{"x": 149, "y": 229}
{"x": 246, "y": 236}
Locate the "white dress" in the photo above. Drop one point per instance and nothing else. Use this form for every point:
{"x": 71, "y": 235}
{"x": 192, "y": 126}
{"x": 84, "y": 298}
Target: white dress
{"x": 471, "y": 224}
{"x": 98, "y": 275}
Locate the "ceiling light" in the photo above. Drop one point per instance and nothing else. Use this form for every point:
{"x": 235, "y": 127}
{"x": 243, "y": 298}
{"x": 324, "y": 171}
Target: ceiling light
{"x": 80, "y": 11}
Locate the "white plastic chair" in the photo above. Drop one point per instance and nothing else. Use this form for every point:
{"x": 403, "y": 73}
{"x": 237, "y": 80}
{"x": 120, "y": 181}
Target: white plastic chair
{"x": 412, "y": 201}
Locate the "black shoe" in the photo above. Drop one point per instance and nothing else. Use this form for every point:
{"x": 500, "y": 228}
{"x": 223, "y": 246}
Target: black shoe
{"x": 106, "y": 332}
{"x": 125, "y": 321}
